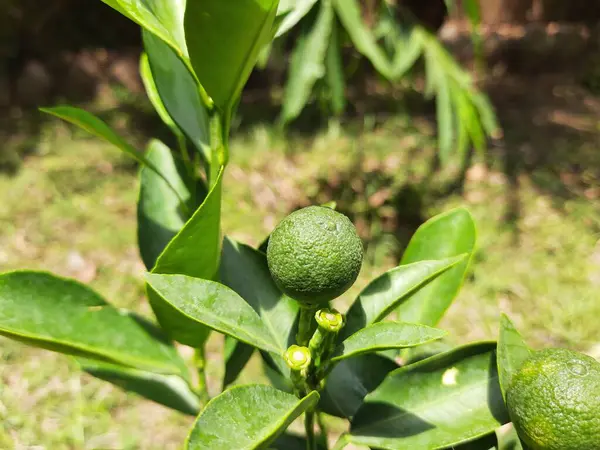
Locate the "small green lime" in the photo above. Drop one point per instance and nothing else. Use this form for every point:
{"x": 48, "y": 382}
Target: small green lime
{"x": 314, "y": 255}
{"x": 554, "y": 401}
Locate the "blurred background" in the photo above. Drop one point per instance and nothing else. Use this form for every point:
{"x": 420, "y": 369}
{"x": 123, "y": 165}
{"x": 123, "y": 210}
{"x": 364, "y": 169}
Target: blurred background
{"x": 68, "y": 201}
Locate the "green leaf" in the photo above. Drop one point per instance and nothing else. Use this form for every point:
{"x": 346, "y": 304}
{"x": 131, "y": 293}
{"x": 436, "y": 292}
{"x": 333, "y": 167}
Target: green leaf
{"x": 445, "y": 121}
{"x": 295, "y": 11}
{"x": 171, "y": 391}
{"x": 437, "y": 403}
{"x": 334, "y": 72}
{"x": 474, "y": 126}
{"x": 445, "y": 236}
{"x": 61, "y": 315}
{"x": 224, "y": 40}
{"x": 385, "y": 336}
{"x": 486, "y": 113}
{"x": 154, "y": 97}
{"x": 349, "y": 14}
{"x": 463, "y": 117}
{"x": 95, "y": 126}
{"x": 194, "y": 252}
{"x": 245, "y": 270}
{"x": 160, "y": 215}
{"x": 387, "y": 291}
{"x": 351, "y": 380}
{"x": 247, "y": 417}
{"x": 307, "y": 63}
{"x": 407, "y": 53}
{"x": 179, "y": 92}
{"x": 237, "y": 354}
{"x": 512, "y": 352}
{"x": 195, "y": 249}
{"x": 210, "y": 304}
{"x": 473, "y": 12}
{"x": 164, "y": 18}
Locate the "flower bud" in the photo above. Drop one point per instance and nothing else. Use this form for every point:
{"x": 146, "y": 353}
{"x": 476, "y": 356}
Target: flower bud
{"x": 329, "y": 320}
{"x": 298, "y": 358}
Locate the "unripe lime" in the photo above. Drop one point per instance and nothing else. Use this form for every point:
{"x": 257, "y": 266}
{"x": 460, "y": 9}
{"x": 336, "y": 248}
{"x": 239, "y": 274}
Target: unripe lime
{"x": 554, "y": 401}
{"x": 314, "y": 255}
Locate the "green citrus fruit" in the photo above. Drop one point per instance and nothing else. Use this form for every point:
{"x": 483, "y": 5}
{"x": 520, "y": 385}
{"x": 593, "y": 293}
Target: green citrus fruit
{"x": 554, "y": 401}
{"x": 314, "y": 255}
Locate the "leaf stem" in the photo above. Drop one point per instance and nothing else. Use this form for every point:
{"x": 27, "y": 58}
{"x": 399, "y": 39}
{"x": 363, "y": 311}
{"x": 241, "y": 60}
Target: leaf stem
{"x": 200, "y": 364}
{"x": 309, "y": 426}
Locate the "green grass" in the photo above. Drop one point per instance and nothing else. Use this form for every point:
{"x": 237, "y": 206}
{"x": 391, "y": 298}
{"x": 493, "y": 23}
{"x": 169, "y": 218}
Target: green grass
{"x": 71, "y": 210}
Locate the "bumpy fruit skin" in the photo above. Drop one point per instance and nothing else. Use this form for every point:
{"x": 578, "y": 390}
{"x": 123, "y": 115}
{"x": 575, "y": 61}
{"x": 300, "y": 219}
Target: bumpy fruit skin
{"x": 554, "y": 401}
{"x": 314, "y": 255}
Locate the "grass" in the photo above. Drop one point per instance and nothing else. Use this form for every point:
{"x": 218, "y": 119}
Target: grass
{"x": 71, "y": 209}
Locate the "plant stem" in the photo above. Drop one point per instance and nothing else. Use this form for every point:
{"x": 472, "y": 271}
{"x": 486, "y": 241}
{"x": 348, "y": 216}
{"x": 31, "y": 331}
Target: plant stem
{"x": 305, "y": 325}
{"x": 323, "y": 431}
{"x": 217, "y": 146}
{"x": 200, "y": 364}
{"x": 309, "y": 426}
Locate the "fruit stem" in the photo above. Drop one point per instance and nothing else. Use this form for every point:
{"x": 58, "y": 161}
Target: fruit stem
{"x": 322, "y": 344}
{"x": 305, "y": 325}
{"x": 299, "y": 361}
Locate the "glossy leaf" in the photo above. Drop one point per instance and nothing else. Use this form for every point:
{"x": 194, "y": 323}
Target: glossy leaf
{"x": 169, "y": 390}
{"x": 160, "y": 213}
{"x": 164, "y": 18}
{"x": 246, "y": 418}
{"x": 43, "y": 310}
{"x": 351, "y": 380}
{"x": 224, "y": 40}
{"x": 179, "y": 92}
{"x": 445, "y": 236}
{"x": 245, "y": 270}
{"x": 236, "y": 355}
{"x": 389, "y": 290}
{"x": 194, "y": 252}
{"x": 154, "y": 97}
{"x": 295, "y": 11}
{"x": 307, "y": 63}
{"x": 512, "y": 352}
{"x": 437, "y": 403}
{"x": 213, "y": 305}
{"x": 97, "y": 127}
{"x": 363, "y": 39}
{"x": 385, "y": 336}
{"x": 334, "y": 72}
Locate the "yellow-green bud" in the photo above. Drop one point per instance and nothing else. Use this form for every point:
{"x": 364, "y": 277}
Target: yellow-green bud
{"x": 298, "y": 358}
{"x": 329, "y": 320}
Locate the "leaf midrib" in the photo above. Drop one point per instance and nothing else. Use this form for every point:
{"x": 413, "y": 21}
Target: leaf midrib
{"x": 430, "y": 404}
{"x": 265, "y": 345}
{"x": 117, "y": 357}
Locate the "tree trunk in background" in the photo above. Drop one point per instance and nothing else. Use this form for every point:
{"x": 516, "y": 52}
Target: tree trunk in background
{"x": 505, "y": 11}
{"x": 522, "y": 11}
